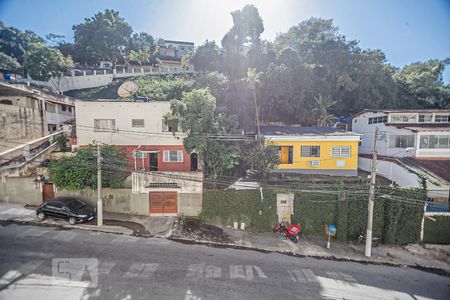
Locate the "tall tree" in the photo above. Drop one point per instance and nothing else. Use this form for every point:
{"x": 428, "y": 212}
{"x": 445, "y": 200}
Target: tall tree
{"x": 252, "y": 80}
{"x": 207, "y": 57}
{"x": 102, "y": 37}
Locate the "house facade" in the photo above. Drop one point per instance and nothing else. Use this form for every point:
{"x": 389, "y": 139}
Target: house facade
{"x": 413, "y": 147}
{"x": 314, "y": 150}
{"x": 159, "y": 165}
{"x": 139, "y": 129}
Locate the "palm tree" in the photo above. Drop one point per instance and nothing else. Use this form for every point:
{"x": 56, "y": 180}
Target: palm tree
{"x": 252, "y": 80}
{"x": 322, "y": 106}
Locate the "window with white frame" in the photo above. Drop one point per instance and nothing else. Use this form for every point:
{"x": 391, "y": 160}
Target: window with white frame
{"x": 139, "y": 154}
{"x": 441, "y": 118}
{"x": 340, "y": 151}
{"x": 137, "y": 123}
{"x": 104, "y": 124}
{"x": 173, "y": 156}
{"x": 435, "y": 141}
{"x": 310, "y": 151}
{"x": 425, "y": 118}
{"x": 401, "y": 141}
{"x": 403, "y": 118}
{"x": 376, "y": 120}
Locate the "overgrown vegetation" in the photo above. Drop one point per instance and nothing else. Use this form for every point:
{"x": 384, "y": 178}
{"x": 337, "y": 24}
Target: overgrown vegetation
{"x": 79, "y": 171}
{"x": 436, "y": 230}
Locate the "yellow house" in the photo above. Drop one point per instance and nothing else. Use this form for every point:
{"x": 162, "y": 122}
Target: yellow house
{"x": 314, "y": 150}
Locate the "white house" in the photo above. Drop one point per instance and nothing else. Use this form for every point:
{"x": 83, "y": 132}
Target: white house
{"x": 413, "y": 145}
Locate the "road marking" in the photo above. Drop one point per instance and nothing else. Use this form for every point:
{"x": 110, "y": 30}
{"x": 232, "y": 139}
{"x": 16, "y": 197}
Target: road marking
{"x": 305, "y": 275}
{"x": 341, "y": 276}
{"x": 200, "y": 271}
{"x": 138, "y": 269}
{"x": 105, "y": 267}
{"x": 237, "y": 272}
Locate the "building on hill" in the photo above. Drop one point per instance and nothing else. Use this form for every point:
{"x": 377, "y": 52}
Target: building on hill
{"x": 413, "y": 148}
{"x": 314, "y": 150}
{"x": 171, "y": 53}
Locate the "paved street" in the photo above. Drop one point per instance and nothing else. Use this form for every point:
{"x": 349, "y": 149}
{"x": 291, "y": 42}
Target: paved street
{"x": 148, "y": 268}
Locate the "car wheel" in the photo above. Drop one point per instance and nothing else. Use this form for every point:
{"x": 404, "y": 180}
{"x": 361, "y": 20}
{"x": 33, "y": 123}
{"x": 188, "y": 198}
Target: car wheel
{"x": 41, "y": 216}
{"x": 72, "y": 221}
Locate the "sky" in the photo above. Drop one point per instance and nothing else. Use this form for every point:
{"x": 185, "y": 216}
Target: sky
{"x": 407, "y": 31}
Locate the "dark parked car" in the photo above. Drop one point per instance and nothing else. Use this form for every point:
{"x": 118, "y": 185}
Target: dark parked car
{"x": 69, "y": 208}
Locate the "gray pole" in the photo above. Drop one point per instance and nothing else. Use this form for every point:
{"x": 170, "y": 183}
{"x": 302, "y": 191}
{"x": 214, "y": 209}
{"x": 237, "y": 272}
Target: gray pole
{"x": 99, "y": 187}
{"x": 373, "y": 175}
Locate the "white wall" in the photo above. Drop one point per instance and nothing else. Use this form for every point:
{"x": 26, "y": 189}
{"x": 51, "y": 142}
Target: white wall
{"x": 123, "y": 112}
{"x": 361, "y": 125}
{"x": 405, "y": 178}
{"x": 59, "y": 116}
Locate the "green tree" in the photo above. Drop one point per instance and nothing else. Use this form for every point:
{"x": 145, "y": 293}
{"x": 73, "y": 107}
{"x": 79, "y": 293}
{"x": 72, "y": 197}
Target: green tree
{"x": 138, "y": 57}
{"x": 423, "y": 82}
{"x": 195, "y": 112}
{"x": 207, "y": 57}
{"x": 15, "y": 43}
{"x": 259, "y": 156}
{"x": 102, "y": 37}
{"x": 322, "y": 108}
{"x": 80, "y": 171}
{"x": 8, "y": 62}
{"x": 44, "y": 62}
{"x": 163, "y": 88}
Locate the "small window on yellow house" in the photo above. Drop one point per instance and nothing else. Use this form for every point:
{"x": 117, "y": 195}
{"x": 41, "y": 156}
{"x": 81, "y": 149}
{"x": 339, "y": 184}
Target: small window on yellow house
{"x": 310, "y": 151}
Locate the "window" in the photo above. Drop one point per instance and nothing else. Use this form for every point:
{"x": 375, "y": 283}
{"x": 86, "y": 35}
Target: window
{"x": 170, "y": 126}
{"x": 138, "y": 154}
{"x": 137, "y": 122}
{"x": 173, "y": 156}
{"x": 403, "y": 118}
{"x": 442, "y": 118}
{"x": 63, "y": 107}
{"x": 376, "y": 120}
{"x": 51, "y": 108}
{"x": 310, "y": 151}
{"x": 435, "y": 142}
{"x": 70, "y": 109}
{"x": 340, "y": 151}
{"x": 104, "y": 124}
{"x": 7, "y": 102}
{"x": 401, "y": 141}
{"x": 425, "y": 118}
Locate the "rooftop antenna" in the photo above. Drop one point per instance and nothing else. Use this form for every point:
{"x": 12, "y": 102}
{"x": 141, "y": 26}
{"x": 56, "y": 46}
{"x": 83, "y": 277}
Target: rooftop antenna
{"x": 127, "y": 89}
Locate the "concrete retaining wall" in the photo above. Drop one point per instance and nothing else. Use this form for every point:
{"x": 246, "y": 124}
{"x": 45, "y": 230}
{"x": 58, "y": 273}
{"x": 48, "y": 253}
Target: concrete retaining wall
{"x": 20, "y": 189}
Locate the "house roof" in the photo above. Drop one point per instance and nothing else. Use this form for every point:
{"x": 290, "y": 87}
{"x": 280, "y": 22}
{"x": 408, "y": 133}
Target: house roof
{"x": 421, "y": 127}
{"x": 297, "y": 130}
{"x": 402, "y": 111}
{"x": 437, "y": 166}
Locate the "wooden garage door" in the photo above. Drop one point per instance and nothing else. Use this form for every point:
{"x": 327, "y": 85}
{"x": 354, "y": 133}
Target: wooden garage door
{"x": 163, "y": 202}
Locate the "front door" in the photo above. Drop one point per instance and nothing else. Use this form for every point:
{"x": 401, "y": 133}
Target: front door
{"x": 164, "y": 203}
{"x": 47, "y": 192}
{"x": 153, "y": 161}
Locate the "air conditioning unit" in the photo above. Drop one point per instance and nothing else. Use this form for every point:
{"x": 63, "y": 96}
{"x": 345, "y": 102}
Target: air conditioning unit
{"x": 314, "y": 163}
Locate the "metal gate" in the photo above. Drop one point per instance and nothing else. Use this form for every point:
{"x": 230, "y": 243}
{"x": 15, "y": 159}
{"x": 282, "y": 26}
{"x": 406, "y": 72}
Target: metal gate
{"x": 164, "y": 203}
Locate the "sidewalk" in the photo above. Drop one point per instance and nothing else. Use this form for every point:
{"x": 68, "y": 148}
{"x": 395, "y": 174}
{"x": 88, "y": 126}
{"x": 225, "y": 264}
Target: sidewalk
{"x": 112, "y": 222}
{"x": 430, "y": 257}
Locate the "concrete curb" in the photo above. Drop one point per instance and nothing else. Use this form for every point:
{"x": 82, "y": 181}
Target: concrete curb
{"x": 438, "y": 271}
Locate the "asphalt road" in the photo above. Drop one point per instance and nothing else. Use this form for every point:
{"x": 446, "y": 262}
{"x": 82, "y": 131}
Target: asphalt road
{"x": 147, "y": 268}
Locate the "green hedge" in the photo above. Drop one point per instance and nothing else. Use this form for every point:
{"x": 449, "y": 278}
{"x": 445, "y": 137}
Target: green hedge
{"x": 396, "y": 221}
{"x": 437, "y": 232}
{"x": 229, "y": 206}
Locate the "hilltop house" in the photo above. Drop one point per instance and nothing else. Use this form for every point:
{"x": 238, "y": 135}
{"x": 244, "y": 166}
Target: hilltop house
{"x": 413, "y": 147}
{"x": 314, "y": 150}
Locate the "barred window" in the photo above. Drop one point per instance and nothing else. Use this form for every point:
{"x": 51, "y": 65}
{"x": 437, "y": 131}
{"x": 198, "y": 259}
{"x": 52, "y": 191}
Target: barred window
{"x": 137, "y": 122}
{"x": 104, "y": 124}
{"x": 310, "y": 151}
{"x": 340, "y": 151}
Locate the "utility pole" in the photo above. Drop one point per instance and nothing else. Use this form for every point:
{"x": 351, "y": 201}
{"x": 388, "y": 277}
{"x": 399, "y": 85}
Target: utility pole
{"x": 99, "y": 187}
{"x": 373, "y": 175}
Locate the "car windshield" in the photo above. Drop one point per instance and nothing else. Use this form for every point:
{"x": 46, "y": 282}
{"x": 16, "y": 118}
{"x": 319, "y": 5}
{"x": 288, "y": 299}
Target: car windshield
{"x": 75, "y": 204}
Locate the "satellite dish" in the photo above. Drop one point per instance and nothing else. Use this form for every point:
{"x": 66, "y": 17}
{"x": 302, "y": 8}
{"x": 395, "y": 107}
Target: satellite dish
{"x": 127, "y": 89}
